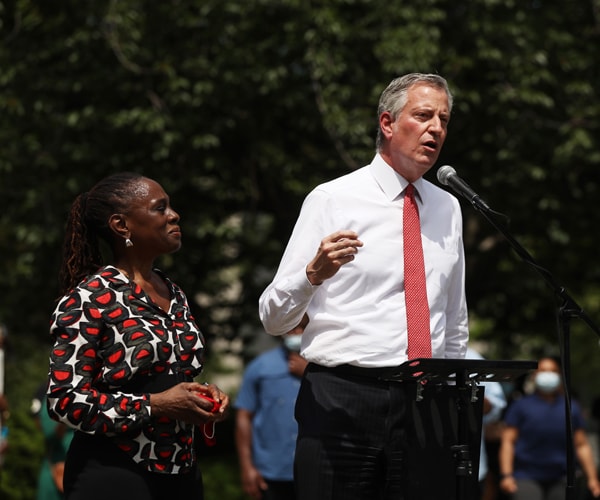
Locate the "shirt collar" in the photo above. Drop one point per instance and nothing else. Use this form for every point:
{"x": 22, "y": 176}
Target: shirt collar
{"x": 391, "y": 182}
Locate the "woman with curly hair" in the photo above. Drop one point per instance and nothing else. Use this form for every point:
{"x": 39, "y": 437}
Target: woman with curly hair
{"x": 127, "y": 350}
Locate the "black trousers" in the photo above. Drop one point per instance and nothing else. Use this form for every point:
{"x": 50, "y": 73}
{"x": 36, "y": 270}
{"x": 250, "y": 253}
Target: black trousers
{"x": 95, "y": 469}
{"x": 279, "y": 490}
{"x": 351, "y": 436}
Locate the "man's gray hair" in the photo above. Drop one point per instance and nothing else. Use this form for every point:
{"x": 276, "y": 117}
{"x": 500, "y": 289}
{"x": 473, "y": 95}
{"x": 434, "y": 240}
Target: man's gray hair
{"x": 394, "y": 97}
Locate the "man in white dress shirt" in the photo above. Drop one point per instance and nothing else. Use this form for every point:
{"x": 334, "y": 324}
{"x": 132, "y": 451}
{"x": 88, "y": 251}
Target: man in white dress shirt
{"x": 343, "y": 266}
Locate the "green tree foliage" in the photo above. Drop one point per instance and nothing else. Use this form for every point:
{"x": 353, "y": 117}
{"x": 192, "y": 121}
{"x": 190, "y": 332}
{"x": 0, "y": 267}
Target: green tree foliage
{"x": 239, "y": 108}
{"x": 525, "y": 98}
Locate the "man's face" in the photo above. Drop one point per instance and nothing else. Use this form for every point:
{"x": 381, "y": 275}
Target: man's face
{"x": 416, "y": 136}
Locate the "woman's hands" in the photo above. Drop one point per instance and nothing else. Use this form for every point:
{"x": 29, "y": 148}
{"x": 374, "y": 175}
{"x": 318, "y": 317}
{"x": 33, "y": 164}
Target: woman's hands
{"x": 183, "y": 402}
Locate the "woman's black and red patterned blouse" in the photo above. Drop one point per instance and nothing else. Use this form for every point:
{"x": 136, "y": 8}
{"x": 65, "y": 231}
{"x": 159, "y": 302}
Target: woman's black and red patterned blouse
{"x": 113, "y": 347}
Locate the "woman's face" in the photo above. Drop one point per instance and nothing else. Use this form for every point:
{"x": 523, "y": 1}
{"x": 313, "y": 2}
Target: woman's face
{"x": 547, "y": 378}
{"x": 548, "y": 365}
{"x": 151, "y": 220}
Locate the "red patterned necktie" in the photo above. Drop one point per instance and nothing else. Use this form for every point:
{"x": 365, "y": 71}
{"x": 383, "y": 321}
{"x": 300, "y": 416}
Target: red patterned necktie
{"x": 415, "y": 289}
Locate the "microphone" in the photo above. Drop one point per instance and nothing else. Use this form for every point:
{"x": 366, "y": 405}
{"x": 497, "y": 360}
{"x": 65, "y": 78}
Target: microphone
{"x": 447, "y": 176}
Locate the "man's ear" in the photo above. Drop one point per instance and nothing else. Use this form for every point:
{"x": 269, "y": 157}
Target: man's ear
{"x": 385, "y": 123}
{"x": 118, "y": 225}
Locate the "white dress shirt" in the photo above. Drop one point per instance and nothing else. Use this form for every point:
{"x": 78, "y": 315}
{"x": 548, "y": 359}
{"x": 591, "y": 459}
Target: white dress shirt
{"x": 359, "y": 316}
{"x": 495, "y": 396}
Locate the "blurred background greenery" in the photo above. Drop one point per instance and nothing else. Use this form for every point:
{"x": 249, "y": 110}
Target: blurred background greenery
{"x": 239, "y": 108}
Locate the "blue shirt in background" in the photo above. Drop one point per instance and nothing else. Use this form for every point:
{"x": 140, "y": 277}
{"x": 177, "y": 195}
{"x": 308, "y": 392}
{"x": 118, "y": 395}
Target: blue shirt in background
{"x": 269, "y": 391}
{"x": 540, "y": 450}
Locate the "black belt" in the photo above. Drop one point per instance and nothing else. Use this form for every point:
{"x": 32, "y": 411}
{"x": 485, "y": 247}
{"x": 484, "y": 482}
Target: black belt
{"x": 379, "y": 373}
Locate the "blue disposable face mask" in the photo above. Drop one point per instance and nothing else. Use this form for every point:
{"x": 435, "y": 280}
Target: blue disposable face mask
{"x": 547, "y": 382}
{"x": 292, "y": 342}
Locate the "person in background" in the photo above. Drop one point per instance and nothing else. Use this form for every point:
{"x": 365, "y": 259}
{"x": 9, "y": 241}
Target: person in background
{"x": 533, "y": 447}
{"x": 4, "y": 407}
{"x": 345, "y": 267}
{"x": 57, "y": 438}
{"x": 126, "y": 351}
{"x": 266, "y": 431}
{"x": 4, "y": 413}
{"x": 494, "y": 403}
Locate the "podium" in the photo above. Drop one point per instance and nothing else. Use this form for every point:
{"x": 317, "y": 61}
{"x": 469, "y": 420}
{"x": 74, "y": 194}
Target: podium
{"x": 444, "y": 415}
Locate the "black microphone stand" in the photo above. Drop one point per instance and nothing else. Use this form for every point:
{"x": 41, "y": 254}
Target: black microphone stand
{"x": 567, "y": 308}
